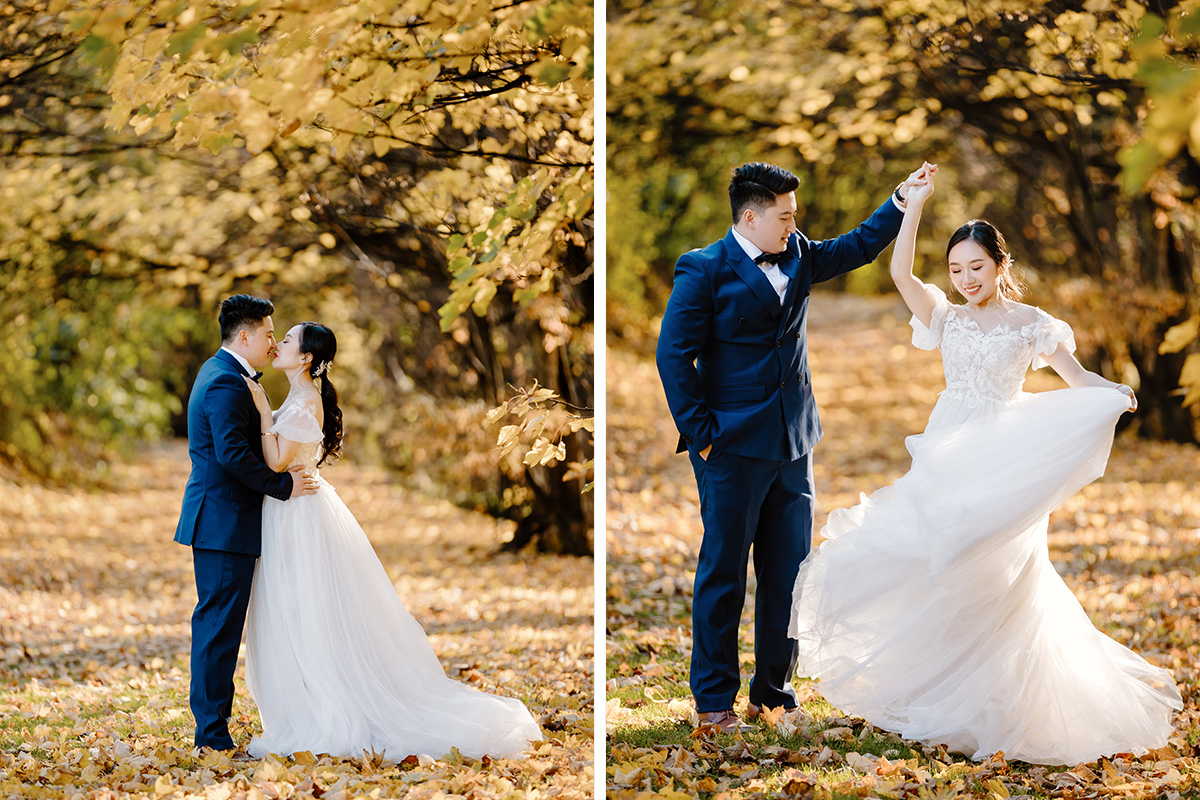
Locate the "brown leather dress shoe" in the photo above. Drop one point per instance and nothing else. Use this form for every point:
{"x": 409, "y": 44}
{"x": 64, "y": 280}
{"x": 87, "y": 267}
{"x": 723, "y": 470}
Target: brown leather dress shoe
{"x": 242, "y": 756}
{"x": 725, "y": 721}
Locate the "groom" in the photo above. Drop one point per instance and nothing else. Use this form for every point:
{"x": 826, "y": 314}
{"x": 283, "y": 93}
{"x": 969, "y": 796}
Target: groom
{"x": 733, "y": 358}
{"x": 222, "y": 506}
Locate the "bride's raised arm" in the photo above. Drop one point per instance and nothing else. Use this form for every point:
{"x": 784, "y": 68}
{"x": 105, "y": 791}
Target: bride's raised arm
{"x": 277, "y": 451}
{"x": 918, "y": 299}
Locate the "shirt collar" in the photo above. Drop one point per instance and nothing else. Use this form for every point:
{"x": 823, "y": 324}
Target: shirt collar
{"x": 752, "y": 250}
{"x": 245, "y": 364}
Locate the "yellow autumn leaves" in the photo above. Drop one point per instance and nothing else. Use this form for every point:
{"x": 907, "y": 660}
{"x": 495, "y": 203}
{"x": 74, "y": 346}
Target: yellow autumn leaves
{"x": 94, "y": 607}
{"x": 363, "y": 69}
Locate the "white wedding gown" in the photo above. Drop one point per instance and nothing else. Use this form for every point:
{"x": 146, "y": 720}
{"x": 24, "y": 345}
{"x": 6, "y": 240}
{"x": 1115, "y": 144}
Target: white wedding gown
{"x": 334, "y": 661}
{"x": 933, "y": 610}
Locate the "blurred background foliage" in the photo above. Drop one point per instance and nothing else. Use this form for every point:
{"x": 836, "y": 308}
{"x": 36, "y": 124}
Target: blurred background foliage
{"x": 341, "y": 159}
{"x": 1074, "y": 127}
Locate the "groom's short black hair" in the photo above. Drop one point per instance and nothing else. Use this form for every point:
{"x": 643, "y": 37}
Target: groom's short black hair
{"x": 242, "y": 311}
{"x": 757, "y": 185}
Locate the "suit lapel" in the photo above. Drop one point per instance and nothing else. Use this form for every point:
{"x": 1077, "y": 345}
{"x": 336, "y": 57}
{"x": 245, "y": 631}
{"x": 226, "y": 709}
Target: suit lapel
{"x": 792, "y": 266}
{"x": 751, "y": 275}
{"x": 255, "y": 424}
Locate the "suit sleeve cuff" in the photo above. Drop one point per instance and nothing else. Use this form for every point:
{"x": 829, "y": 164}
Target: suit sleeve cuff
{"x": 286, "y": 493}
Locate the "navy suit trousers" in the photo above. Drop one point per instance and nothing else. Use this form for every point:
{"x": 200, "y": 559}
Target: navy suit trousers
{"x": 223, "y": 582}
{"x": 748, "y": 503}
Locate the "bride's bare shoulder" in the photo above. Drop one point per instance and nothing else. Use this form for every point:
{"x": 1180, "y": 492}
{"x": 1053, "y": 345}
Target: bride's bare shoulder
{"x": 309, "y": 401}
{"x": 1023, "y": 313}
{"x": 313, "y": 401}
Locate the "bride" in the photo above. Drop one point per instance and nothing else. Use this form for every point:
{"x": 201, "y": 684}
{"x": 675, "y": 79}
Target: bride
{"x": 334, "y": 661}
{"x": 933, "y": 610}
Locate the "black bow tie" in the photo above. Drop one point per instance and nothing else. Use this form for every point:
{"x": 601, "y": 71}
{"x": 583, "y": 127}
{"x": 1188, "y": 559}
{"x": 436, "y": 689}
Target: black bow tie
{"x": 256, "y": 376}
{"x": 770, "y": 258}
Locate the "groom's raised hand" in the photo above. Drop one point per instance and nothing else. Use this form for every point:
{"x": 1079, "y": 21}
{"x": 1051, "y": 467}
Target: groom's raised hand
{"x": 302, "y": 484}
{"x": 923, "y": 188}
{"x": 918, "y": 176}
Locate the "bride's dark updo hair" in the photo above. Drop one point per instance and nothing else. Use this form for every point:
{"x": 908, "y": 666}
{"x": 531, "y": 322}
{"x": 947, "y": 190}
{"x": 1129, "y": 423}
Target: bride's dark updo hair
{"x": 319, "y": 342}
{"x": 989, "y": 237}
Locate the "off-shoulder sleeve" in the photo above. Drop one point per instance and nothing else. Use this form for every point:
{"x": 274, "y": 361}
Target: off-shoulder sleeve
{"x": 298, "y": 423}
{"x": 1051, "y": 333}
{"x": 931, "y": 338}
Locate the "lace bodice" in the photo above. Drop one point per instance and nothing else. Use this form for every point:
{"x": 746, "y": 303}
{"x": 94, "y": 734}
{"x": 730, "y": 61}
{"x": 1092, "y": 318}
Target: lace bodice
{"x": 988, "y": 367}
{"x": 297, "y": 420}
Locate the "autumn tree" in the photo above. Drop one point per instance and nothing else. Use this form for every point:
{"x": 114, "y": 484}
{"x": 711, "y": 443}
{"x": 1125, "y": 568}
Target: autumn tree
{"x": 438, "y": 161}
{"x": 1042, "y": 118}
{"x": 73, "y": 375}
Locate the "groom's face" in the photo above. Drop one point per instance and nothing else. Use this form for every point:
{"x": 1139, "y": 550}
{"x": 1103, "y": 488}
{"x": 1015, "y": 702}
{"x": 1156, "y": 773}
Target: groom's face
{"x": 259, "y": 343}
{"x": 771, "y": 227}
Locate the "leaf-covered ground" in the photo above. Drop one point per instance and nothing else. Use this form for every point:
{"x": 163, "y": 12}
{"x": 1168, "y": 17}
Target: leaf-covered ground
{"x": 95, "y": 602}
{"x": 1127, "y": 546}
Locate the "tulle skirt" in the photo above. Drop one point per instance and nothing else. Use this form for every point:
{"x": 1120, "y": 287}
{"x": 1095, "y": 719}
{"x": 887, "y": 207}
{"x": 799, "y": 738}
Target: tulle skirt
{"x": 336, "y": 663}
{"x": 933, "y": 610}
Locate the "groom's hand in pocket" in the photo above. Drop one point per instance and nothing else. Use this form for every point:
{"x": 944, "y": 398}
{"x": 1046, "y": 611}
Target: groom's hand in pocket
{"x": 302, "y": 484}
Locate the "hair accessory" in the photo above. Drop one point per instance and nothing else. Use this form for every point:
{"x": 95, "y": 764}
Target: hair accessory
{"x": 321, "y": 370}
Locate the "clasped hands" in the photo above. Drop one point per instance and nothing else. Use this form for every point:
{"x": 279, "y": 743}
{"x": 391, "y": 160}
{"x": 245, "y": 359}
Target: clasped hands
{"x": 918, "y": 186}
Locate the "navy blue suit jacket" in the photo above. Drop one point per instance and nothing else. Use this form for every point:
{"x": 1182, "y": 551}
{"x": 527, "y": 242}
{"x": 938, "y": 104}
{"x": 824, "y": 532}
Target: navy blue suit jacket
{"x": 222, "y": 504}
{"x": 733, "y": 360}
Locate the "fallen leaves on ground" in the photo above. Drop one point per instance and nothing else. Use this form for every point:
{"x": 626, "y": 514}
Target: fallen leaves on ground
{"x": 95, "y": 603}
{"x": 1127, "y": 546}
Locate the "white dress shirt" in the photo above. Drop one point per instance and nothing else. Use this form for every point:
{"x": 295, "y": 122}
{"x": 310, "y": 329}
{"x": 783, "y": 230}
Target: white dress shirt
{"x": 779, "y": 281}
{"x": 245, "y": 364}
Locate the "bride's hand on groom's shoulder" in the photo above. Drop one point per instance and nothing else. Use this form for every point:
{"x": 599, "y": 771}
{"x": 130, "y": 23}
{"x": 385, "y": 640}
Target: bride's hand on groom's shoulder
{"x": 260, "y": 396}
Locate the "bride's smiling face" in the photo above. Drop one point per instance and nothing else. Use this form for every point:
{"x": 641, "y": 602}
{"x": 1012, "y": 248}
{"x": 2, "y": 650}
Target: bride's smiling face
{"x": 974, "y": 273}
{"x": 287, "y": 352}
